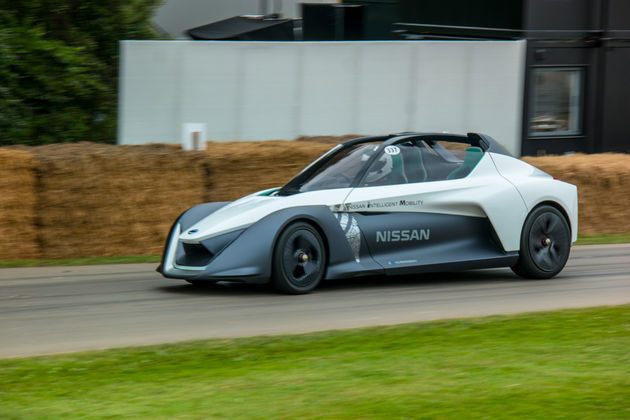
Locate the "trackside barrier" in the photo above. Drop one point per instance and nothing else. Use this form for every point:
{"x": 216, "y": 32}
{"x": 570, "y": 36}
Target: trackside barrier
{"x": 89, "y": 200}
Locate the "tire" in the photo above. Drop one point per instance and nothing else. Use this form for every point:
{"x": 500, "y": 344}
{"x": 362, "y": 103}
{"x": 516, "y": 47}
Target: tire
{"x": 545, "y": 244}
{"x": 299, "y": 259}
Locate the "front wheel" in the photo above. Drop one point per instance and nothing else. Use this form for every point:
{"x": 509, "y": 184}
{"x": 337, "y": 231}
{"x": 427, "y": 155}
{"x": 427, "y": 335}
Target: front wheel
{"x": 545, "y": 244}
{"x": 299, "y": 259}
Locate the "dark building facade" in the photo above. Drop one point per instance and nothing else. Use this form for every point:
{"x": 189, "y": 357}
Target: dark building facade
{"x": 577, "y": 85}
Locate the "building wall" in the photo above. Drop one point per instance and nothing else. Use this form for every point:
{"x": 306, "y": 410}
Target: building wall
{"x": 277, "y": 90}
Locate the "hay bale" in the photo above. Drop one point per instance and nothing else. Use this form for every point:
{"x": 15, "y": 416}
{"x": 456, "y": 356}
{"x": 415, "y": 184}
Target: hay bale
{"x": 85, "y": 199}
{"x": 18, "y": 234}
{"x": 240, "y": 168}
{"x": 603, "y": 182}
{"x": 104, "y": 200}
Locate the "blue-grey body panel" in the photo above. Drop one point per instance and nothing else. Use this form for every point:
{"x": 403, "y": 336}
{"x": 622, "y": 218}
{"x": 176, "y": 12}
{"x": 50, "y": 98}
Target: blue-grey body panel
{"x": 249, "y": 256}
{"x": 390, "y": 243}
{"x": 412, "y": 242}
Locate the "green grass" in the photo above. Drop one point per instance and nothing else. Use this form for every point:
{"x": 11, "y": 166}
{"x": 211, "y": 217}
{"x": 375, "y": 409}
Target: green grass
{"x": 603, "y": 239}
{"x": 82, "y": 261}
{"x": 563, "y": 364}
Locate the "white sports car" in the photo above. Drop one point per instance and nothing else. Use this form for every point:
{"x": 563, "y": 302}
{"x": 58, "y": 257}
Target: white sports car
{"x": 396, "y": 204}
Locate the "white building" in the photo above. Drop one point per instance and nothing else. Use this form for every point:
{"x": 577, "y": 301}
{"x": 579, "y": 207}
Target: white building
{"x": 282, "y": 90}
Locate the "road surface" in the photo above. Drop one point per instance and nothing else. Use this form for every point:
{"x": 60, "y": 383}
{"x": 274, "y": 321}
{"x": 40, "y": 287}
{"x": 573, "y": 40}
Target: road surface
{"x": 64, "y": 309}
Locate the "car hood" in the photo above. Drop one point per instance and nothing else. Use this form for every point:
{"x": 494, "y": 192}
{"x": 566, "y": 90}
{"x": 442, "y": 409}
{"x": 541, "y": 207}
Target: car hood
{"x": 246, "y": 211}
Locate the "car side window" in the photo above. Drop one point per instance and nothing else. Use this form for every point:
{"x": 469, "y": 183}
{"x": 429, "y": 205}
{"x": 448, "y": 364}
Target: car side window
{"x": 422, "y": 161}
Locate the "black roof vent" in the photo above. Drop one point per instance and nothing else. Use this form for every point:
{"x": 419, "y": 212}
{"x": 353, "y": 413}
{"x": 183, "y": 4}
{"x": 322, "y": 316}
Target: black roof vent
{"x": 245, "y": 28}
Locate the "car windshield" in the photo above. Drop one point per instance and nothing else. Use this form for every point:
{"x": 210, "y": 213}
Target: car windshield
{"x": 337, "y": 172}
{"x": 408, "y": 160}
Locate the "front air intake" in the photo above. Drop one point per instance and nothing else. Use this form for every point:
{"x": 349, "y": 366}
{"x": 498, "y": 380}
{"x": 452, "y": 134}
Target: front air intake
{"x": 194, "y": 255}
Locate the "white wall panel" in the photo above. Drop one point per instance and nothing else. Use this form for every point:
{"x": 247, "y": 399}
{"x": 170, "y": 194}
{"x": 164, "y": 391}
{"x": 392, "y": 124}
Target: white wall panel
{"x": 209, "y": 92}
{"x": 329, "y": 88}
{"x": 278, "y": 90}
{"x": 442, "y": 84}
{"x": 148, "y": 94}
{"x": 267, "y": 92}
{"x": 383, "y": 88}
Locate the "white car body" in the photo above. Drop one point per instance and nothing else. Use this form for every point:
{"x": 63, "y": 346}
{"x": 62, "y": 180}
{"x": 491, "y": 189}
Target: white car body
{"x": 499, "y": 191}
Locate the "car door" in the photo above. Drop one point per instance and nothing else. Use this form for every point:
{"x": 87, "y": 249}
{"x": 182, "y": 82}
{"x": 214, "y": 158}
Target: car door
{"x": 419, "y": 205}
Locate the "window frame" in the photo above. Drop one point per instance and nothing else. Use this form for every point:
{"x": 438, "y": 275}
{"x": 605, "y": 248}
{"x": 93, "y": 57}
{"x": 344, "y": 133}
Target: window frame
{"x": 581, "y": 71}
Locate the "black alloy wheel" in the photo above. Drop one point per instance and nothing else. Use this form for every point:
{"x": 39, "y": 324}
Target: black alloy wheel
{"x": 545, "y": 244}
{"x": 299, "y": 259}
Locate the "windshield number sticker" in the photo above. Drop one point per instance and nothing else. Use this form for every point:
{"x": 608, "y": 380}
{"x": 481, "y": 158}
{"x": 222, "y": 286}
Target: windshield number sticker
{"x": 392, "y": 150}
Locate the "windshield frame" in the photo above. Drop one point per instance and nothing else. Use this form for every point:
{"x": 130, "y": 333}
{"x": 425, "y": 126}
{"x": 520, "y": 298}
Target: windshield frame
{"x": 294, "y": 185}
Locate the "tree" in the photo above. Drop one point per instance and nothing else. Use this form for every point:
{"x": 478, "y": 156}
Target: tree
{"x": 59, "y": 67}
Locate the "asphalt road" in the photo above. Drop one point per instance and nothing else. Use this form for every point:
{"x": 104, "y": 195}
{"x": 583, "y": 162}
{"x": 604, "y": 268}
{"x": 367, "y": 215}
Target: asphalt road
{"x": 63, "y": 309}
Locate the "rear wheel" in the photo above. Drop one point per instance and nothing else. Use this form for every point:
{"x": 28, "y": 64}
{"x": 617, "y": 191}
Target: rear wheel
{"x": 299, "y": 259}
{"x": 545, "y": 244}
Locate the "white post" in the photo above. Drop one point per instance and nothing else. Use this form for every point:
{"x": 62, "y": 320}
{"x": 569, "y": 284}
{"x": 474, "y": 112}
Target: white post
{"x": 194, "y": 136}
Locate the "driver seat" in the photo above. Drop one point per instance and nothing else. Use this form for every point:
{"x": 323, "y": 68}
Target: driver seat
{"x": 471, "y": 158}
{"x": 398, "y": 173}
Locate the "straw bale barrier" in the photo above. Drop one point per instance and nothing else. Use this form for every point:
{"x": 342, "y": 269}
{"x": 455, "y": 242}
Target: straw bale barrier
{"x": 240, "y": 168}
{"x": 18, "y": 233}
{"x": 603, "y": 182}
{"x": 86, "y": 199}
{"x": 104, "y": 200}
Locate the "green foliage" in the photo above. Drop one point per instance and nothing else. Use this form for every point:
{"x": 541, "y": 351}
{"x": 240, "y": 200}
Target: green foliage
{"x": 48, "y": 92}
{"x": 59, "y": 67}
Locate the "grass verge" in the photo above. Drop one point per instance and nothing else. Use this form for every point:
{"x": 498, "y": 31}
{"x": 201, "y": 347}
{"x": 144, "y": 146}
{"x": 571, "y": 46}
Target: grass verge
{"x": 603, "y": 239}
{"x": 82, "y": 261}
{"x": 562, "y": 364}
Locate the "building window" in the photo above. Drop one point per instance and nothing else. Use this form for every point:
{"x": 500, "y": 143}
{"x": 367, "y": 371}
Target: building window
{"x": 556, "y": 102}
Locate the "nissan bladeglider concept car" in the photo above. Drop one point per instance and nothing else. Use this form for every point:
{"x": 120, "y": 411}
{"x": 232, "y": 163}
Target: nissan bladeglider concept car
{"x": 397, "y": 204}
